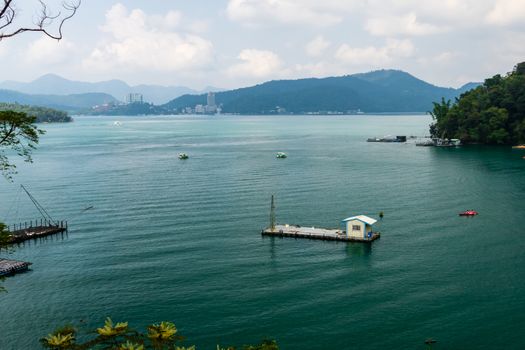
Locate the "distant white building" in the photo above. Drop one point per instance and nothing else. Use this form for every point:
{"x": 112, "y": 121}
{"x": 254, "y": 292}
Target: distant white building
{"x": 211, "y": 106}
{"x": 359, "y": 226}
{"x": 200, "y": 109}
{"x": 134, "y": 98}
{"x": 211, "y": 99}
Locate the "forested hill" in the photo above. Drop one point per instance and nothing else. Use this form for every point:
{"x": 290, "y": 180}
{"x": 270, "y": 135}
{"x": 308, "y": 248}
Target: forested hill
{"x": 492, "y": 113}
{"x": 41, "y": 114}
{"x": 74, "y": 102}
{"x": 374, "y": 92}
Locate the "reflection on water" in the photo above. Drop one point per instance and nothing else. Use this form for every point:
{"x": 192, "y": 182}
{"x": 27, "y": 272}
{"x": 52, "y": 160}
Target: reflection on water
{"x": 358, "y": 249}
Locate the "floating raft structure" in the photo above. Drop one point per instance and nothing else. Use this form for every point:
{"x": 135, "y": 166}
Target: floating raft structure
{"x": 24, "y": 232}
{"x": 10, "y": 267}
{"x": 316, "y": 233}
{"x": 356, "y": 229}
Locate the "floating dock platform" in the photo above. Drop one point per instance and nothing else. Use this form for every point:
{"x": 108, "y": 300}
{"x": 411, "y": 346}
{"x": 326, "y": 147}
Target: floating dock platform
{"x": 315, "y": 233}
{"x": 24, "y": 232}
{"x": 10, "y": 267}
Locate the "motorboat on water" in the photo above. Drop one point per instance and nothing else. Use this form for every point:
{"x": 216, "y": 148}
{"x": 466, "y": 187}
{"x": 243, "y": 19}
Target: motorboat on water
{"x": 468, "y": 213}
{"x": 183, "y": 156}
{"x": 424, "y": 142}
{"x": 388, "y": 138}
{"x": 281, "y": 155}
{"x": 447, "y": 142}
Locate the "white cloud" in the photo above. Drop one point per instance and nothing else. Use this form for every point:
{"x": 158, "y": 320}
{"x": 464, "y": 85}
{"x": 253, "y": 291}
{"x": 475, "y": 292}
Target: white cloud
{"x": 318, "y": 69}
{"x": 256, "y": 63}
{"x": 404, "y": 25}
{"x": 199, "y": 26}
{"x": 317, "y": 46}
{"x": 376, "y": 56}
{"x": 507, "y": 12}
{"x": 48, "y": 51}
{"x": 139, "y": 41}
{"x": 310, "y": 12}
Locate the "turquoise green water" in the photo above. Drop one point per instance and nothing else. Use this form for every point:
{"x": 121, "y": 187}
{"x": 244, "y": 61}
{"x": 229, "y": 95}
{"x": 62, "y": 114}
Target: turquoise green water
{"x": 180, "y": 240}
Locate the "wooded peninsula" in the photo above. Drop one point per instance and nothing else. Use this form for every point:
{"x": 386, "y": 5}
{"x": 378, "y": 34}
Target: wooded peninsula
{"x": 42, "y": 114}
{"x": 492, "y": 113}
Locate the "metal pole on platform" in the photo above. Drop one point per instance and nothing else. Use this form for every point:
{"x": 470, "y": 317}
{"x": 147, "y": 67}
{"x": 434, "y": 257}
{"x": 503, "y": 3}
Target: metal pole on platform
{"x": 272, "y": 215}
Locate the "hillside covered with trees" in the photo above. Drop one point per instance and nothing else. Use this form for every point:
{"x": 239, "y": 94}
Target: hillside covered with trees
{"x": 42, "y": 114}
{"x": 492, "y": 113}
{"x": 381, "y": 91}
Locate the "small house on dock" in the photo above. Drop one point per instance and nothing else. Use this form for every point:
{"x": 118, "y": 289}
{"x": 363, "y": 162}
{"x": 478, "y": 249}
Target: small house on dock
{"x": 359, "y": 227}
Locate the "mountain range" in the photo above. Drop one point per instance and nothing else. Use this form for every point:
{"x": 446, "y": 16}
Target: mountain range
{"x": 380, "y": 91}
{"x": 51, "y": 84}
{"x": 70, "y": 103}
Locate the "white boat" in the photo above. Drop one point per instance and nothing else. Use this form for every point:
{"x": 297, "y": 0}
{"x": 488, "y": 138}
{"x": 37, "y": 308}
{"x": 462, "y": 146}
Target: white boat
{"x": 447, "y": 143}
{"x": 424, "y": 142}
{"x": 183, "y": 156}
{"x": 281, "y": 155}
{"x": 117, "y": 123}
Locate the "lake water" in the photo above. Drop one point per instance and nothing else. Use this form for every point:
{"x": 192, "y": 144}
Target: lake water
{"x": 180, "y": 240}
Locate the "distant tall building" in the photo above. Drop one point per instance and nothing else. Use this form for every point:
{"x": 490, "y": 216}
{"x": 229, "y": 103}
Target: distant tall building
{"x": 211, "y": 99}
{"x": 134, "y": 98}
{"x": 211, "y": 107}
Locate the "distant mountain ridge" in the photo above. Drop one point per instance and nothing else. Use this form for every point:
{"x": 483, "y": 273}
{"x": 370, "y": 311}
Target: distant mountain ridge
{"x": 73, "y": 102}
{"x": 52, "y": 84}
{"x": 380, "y": 91}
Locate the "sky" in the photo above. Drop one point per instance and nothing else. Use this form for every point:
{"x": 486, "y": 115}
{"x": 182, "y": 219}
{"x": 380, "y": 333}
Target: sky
{"x": 236, "y": 43}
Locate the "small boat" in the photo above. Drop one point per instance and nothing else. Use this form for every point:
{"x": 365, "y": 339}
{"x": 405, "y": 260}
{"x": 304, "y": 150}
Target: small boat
{"x": 446, "y": 142}
{"x": 117, "y": 123}
{"x": 519, "y": 147}
{"x": 468, "y": 213}
{"x": 388, "y": 139}
{"x": 281, "y": 155}
{"x": 424, "y": 142}
{"x": 183, "y": 156}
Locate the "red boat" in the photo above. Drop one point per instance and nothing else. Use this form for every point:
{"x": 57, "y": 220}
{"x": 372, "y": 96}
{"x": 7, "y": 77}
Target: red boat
{"x": 469, "y": 213}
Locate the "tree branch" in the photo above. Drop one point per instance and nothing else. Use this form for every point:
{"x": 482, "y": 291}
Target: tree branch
{"x": 44, "y": 19}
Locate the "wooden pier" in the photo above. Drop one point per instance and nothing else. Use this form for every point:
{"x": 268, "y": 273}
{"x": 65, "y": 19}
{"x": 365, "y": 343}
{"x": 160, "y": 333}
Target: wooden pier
{"x": 315, "y": 233}
{"x": 31, "y": 230}
{"x": 10, "y": 267}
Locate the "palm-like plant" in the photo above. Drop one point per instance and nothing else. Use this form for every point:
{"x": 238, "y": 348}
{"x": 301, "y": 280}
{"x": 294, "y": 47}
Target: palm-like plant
{"x": 162, "y": 331}
{"x": 130, "y": 346}
{"x": 62, "y": 338}
{"x": 110, "y": 330}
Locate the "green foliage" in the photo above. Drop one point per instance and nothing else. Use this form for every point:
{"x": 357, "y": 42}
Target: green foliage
{"x": 118, "y": 336}
{"x": 18, "y": 134}
{"x": 265, "y": 345}
{"x": 493, "y": 113}
{"x": 42, "y": 114}
{"x": 439, "y": 112}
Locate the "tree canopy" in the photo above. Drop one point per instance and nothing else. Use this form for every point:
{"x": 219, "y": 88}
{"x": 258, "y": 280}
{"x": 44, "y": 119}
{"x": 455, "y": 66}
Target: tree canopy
{"x": 492, "y": 113}
{"x": 18, "y": 135}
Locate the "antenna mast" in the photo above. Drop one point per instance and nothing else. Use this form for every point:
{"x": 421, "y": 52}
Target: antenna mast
{"x": 272, "y": 215}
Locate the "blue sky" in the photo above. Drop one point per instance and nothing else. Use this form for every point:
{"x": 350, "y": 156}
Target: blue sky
{"x": 234, "y": 43}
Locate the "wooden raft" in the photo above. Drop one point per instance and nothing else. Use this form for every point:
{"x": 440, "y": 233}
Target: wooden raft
{"x": 25, "y": 232}
{"x": 10, "y": 267}
{"x": 315, "y": 233}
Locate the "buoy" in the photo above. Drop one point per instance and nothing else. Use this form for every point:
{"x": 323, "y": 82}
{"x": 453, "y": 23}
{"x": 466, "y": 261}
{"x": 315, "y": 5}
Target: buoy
{"x": 381, "y": 214}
